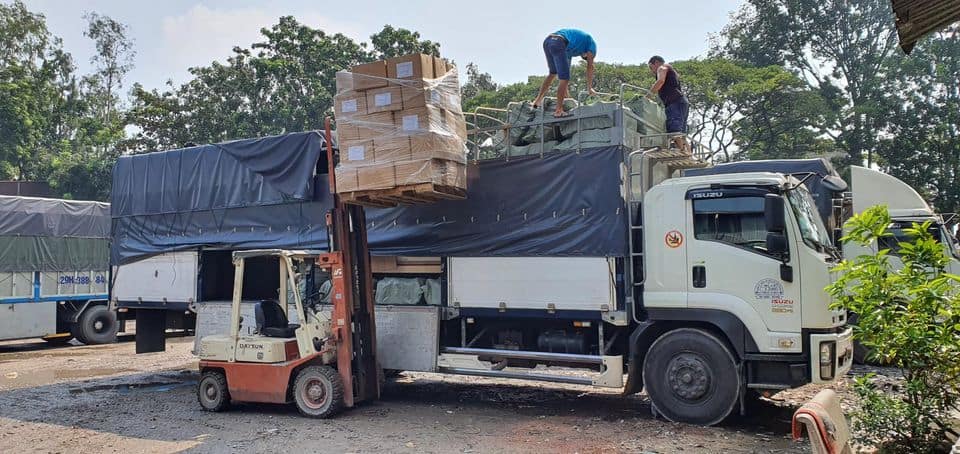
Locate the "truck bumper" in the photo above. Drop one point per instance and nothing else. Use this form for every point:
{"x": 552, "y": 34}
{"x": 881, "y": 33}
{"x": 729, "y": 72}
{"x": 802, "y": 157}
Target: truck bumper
{"x": 831, "y": 355}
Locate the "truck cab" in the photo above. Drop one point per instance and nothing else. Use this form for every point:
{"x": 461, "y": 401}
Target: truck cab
{"x": 906, "y": 207}
{"x": 748, "y": 254}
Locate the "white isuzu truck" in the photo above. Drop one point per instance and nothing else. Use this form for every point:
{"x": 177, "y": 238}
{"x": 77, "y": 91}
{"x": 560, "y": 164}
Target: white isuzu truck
{"x": 590, "y": 255}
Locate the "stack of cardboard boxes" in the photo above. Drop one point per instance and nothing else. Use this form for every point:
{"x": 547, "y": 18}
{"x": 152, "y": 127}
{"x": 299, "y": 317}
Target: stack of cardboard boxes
{"x": 399, "y": 124}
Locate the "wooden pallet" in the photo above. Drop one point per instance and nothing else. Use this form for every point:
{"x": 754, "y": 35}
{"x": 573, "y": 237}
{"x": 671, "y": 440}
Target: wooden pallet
{"x": 412, "y": 194}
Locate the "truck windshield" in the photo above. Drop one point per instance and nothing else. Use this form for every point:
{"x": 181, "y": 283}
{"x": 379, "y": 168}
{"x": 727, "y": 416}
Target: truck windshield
{"x": 812, "y": 229}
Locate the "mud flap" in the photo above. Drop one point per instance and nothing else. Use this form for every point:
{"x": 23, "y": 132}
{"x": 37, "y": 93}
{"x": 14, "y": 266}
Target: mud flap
{"x": 151, "y": 328}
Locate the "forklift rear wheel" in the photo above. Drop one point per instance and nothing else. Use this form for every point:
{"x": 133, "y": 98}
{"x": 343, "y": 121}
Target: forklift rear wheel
{"x": 212, "y": 391}
{"x": 318, "y": 391}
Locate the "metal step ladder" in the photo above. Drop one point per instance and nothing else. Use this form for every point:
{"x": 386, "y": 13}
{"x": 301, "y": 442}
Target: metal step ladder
{"x": 640, "y": 165}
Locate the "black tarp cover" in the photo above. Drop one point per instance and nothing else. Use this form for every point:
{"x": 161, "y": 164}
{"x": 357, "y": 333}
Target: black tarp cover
{"x": 565, "y": 204}
{"x": 32, "y": 216}
{"x": 241, "y": 173}
{"x": 39, "y": 234}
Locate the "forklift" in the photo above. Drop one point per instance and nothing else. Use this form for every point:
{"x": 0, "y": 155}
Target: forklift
{"x": 326, "y": 362}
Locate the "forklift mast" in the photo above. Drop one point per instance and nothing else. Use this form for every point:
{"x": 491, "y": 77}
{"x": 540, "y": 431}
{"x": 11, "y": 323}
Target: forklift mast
{"x": 348, "y": 263}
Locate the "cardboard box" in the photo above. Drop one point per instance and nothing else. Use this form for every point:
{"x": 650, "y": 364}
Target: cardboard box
{"x": 347, "y": 132}
{"x": 369, "y": 75}
{"x": 435, "y": 171}
{"x": 384, "y": 100}
{"x": 391, "y": 148}
{"x": 439, "y": 67}
{"x": 414, "y": 94}
{"x": 420, "y": 93}
{"x": 344, "y": 80}
{"x": 356, "y": 153}
{"x": 419, "y": 171}
{"x": 454, "y": 122}
{"x": 377, "y": 176}
{"x": 454, "y": 174}
{"x": 371, "y": 126}
{"x": 420, "y": 119}
{"x": 432, "y": 145}
{"x": 410, "y": 67}
{"x": 346, "y": 179}
{"x": 348, "y": 104}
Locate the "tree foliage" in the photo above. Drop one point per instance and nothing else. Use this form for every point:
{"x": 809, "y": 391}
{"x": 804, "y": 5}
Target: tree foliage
{"x": 840, "y": 48}
{"x": 283, "y": 83}
{"x": 910, "y": 317}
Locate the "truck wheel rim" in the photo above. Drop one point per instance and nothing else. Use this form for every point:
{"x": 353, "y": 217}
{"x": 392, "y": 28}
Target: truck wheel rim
{"x": 98, "y": 325}
{"x": 689, "y": 376}
{"x": 315, "y": 394}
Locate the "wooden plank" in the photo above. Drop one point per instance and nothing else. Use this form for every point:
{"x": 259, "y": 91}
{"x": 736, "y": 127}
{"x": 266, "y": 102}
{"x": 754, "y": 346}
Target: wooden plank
{"x": 409, "y": 194}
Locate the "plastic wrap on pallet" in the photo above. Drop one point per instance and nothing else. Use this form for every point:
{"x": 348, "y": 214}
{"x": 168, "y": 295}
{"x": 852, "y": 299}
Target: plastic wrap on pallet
{"x": 398, "y": 121}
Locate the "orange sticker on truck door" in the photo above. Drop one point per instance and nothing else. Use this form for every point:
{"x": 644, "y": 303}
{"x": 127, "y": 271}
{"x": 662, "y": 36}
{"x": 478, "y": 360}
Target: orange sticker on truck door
{"x": 674, "y": 239}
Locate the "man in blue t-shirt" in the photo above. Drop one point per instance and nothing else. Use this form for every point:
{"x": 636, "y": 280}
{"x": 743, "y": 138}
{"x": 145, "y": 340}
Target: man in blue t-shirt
{"x": 560, "y": 47}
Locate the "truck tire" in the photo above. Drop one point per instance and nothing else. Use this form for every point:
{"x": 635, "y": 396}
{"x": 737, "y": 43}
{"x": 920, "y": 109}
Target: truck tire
{"x": 212, "y": 391}
{"x": 96, "y": 325}
{"x": 318, "y": 392}
{"x": 691, "y": 376}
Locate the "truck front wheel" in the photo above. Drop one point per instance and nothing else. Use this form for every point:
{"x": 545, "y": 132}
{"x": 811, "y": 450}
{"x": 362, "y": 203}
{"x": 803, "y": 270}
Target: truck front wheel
{"x": 691, "y": 376}
{"x": 96, "y": 325}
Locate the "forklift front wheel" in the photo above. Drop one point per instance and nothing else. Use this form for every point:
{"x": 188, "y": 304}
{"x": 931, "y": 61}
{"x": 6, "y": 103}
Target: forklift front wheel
{"x": 212, "y": 391}
{"x": 318, "y": 391}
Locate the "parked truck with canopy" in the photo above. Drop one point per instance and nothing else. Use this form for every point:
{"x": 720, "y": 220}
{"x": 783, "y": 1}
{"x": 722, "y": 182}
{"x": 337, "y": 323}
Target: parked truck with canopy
{"x": 577, "y": 246}
{"x": 54, "y": 262}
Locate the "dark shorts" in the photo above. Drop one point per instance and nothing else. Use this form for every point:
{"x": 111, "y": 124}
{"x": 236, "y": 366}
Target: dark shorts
{"x": 556, "y": 51}
{"x": 677, "y": 115}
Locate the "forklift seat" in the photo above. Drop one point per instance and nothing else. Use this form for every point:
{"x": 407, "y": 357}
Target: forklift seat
{"x": 272, "y": 321}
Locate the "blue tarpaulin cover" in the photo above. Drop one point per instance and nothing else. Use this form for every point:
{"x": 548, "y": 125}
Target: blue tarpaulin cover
{"x": 265, "y": 193}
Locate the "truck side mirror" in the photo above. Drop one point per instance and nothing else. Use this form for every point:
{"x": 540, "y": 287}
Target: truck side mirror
{"x": 773, "y": 214}
{"x": 777, "y": 244}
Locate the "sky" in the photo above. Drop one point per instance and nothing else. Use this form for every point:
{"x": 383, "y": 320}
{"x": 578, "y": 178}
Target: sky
{"x": 504, "y": 38}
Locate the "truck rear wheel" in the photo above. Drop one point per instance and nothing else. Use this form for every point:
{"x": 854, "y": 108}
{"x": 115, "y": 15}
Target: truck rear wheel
{"x": 96, "y": 325}
{"x": 318, "y": 391}
{"x": 691, "y": 376}
{"x": 212, "y": 391}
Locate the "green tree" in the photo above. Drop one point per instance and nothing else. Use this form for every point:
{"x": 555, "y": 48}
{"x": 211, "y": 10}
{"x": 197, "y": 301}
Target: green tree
{"x": 843, "y": 49}
{"x": 393, "y": 42}
{"x": 284, "y": 83}
{"x": 921, "y": 144}
{"x": 39, "y": 95}
{"x": 910, "y": 317}
{"x": 112, "y": 61}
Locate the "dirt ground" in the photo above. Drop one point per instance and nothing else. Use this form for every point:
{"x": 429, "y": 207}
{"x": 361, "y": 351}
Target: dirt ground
{"x": 108, "y": 399}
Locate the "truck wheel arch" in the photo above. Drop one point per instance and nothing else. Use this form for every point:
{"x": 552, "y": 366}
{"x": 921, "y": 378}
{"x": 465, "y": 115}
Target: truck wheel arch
{"x": 725, "y": 325}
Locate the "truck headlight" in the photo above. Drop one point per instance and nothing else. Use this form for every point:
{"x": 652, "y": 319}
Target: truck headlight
{"x": 828, "y": 359}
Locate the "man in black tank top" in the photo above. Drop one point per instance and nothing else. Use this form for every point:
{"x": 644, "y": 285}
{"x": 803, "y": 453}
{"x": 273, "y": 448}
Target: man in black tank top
{"x": 675, "y": 102}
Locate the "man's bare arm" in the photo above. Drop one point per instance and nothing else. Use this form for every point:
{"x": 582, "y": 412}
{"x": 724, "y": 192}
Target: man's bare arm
{"x": 661, "y": 79}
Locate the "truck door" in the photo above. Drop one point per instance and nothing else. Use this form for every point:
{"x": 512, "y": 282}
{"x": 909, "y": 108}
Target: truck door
{"x": 730, "y": 270}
